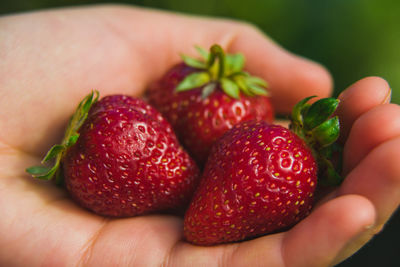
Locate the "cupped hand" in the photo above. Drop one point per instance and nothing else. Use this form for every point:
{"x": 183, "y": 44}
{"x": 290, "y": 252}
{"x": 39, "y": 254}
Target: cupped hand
{"x": 49, "y": 60}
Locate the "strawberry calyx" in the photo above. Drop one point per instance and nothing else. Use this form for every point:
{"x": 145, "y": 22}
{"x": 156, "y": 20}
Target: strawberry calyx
{"x": 217, "y": 68}
{"x": 71, "y": 135}
{"x": 315, "y": 124}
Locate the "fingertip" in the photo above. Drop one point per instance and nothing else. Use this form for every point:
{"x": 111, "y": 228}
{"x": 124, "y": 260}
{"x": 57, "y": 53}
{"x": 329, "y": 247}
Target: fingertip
{"x": 359, "y": 213}
{"x": 348, "y": 214}
{"x": 373, "y": 83}
{"x": 360, "y": 97}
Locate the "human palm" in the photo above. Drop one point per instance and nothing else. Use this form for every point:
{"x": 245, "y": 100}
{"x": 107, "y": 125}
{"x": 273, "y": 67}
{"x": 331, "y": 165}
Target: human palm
{"x": 49, "y": 60}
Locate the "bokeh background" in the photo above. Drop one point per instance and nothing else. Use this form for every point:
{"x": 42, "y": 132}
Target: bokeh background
{"x": 352, "y": 38}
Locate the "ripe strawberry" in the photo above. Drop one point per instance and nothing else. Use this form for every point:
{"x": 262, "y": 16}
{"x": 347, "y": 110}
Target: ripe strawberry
{"x": 260, "y": 178}
{"x": 120, "y": 158}
{"x": 203, "y": 99}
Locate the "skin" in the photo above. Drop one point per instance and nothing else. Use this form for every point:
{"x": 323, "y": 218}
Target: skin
{"x": 49, "y": 60}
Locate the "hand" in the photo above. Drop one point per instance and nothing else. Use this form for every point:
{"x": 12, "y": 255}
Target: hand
{"x": 49, "y": 60}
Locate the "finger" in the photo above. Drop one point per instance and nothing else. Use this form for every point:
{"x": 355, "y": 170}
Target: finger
{"x": 318, "y": 239}
{"x": 139, "y": 241}
{"x": 377, "y": 178}
{"x": 368, "y": 131}
{"x": 264, "y": 251}
{"x": 359, "y": 98}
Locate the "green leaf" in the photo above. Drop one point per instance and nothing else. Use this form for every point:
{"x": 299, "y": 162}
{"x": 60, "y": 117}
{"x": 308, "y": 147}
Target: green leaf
{"x": 257, "y": 90}
{"x": 71, "y": 136}
{"x": 42, "y": 172}
{"x": 193, "y": 80}
{"x": 241, "y": 82}
{"x": 233, "y": 63}
{"x": 37, "y": 170}
{"x": 299, "y": 109}
{"x": 72, "y": 140}
{"x": 319, "y": 112}
{"x": 53, "y": 152}
{"x": 257, "y": 81}
{"x": 327, "y": 132}
{"x": 88, "y": 101}
{"x": 230, "y": 88}
{"x": 241, "y": 74}
{"x": 203, "y": 52}
{"x": 195, "y": 63}
{"x": 80, "y": 115}
{"x": 48, "y": 175}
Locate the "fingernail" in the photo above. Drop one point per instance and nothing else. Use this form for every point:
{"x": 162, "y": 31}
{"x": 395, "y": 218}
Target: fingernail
{"x": 359, "y": 240}
{"x": 388, "y": 97}
{"x": 342, "y": 94}
{"x": 377, "y": 228}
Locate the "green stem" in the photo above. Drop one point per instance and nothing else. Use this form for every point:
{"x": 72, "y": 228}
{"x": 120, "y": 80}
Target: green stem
{"x": 217, "y": 53}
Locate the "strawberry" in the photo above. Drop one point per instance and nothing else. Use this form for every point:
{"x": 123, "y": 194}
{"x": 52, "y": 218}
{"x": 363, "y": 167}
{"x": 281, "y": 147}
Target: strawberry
{"x": 119, "y": 157}
{"x": 202, "y": 99}
{"x": 260, "y": 178}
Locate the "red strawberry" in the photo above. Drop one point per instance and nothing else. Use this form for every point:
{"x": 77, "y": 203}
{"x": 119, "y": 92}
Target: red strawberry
{"x": 120, "y": 158}
{"x": 203, "y": 99}
{"x": 260, "y": 178}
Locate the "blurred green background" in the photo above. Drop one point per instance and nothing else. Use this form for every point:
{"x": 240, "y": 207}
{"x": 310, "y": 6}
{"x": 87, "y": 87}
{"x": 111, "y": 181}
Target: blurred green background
{"x": 352, "y": 38}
